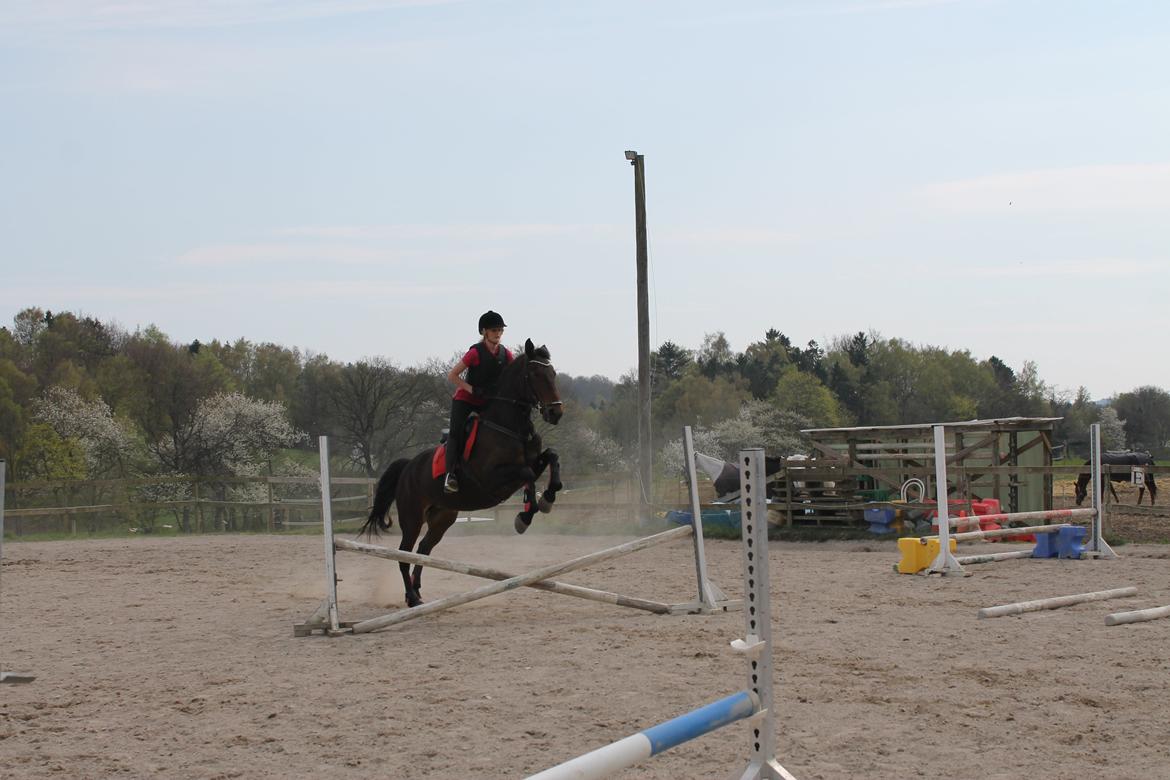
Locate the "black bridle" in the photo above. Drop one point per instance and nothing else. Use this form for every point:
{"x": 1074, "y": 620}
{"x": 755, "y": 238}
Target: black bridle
{"x": 531, "y": 399}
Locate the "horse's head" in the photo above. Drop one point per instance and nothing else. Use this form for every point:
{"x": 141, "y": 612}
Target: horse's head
{"x": 1082, "y": 488}
{"x": 540, "y": 379}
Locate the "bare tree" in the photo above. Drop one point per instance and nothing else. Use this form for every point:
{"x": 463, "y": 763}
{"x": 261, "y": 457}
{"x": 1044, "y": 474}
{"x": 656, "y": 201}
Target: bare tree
{"x": 383, "y": 412}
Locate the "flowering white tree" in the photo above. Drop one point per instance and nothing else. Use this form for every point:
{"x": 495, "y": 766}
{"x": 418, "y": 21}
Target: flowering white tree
{"x": 1112, "y": 429}
{"x": 108, "y": 443}
{"x": 758, "y": 424}
{"x": 229, "y": 433}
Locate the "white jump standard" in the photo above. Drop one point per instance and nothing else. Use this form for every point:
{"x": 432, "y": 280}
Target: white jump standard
{"x": 754, "y": 704}
{"x": 7, "y": 677}
{"x": 1060, "y": 541}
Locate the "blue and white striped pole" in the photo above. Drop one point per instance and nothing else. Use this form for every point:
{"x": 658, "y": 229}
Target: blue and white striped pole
{"x": 626, "y": 752}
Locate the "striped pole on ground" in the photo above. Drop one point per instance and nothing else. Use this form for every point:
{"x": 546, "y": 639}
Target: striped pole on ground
{"x": 626, "y": 752}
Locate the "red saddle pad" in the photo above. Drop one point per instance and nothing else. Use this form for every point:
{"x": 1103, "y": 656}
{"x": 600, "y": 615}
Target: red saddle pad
{"x": 439, "y": 461}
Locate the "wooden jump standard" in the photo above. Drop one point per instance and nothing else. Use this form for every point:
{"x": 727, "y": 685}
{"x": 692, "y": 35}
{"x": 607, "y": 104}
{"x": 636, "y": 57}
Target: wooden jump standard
{"x": 1055, "y": 603}
{"x": 325, "y": 618}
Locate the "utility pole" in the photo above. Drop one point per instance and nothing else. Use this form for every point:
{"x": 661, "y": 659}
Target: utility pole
{"x": 645, "y": 470}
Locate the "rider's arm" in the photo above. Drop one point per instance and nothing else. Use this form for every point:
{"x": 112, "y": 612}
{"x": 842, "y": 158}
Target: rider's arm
{"x": 455, "y": 377}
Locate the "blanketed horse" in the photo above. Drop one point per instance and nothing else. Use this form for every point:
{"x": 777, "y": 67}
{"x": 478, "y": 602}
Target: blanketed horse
{"x": 507, "y": 455}
{"x": 1119, "y": 458}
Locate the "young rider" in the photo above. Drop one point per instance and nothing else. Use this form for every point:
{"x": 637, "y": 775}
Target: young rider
{"x": 483, "y": 363}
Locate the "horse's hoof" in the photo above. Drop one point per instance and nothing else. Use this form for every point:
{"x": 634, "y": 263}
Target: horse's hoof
{"x": 544, "y": 505}
{"x": 521, "y": 523}
{"x": 413, "y": 600}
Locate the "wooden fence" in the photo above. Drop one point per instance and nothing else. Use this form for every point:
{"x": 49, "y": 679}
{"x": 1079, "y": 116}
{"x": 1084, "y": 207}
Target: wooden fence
{"x": 264, "y": 504}
{"x": 809, "y": 492}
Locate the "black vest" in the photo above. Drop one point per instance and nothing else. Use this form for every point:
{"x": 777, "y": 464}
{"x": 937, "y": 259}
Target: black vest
{"x": 487, "y": 374}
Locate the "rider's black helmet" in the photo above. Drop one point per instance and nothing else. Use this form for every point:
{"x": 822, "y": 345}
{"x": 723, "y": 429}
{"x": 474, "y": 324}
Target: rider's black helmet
{"x": 490, "y": 320}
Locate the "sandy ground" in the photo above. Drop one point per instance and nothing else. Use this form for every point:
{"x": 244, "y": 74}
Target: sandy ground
{"x": 176, "y": 658}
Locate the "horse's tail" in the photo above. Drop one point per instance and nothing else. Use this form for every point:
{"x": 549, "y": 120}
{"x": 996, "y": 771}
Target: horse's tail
{"x": 380, "y": 515}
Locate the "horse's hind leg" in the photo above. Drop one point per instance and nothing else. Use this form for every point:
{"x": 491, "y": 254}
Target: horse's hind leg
{"x": 525, "y": 515}
{"x": 438, "y": 521}
{"x": 410, "y": 521}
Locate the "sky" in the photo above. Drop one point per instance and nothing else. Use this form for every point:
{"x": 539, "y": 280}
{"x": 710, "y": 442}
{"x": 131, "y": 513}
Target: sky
{"x": 363, "y": 178}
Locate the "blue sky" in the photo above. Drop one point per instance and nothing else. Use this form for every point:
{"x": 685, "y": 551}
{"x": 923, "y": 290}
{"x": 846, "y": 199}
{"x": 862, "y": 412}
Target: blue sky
{"x": 365, "y": 177}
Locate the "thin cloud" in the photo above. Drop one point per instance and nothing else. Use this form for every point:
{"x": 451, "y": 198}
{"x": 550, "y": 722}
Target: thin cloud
{"x": 465, "y": 232}
{"x": 1107, "y": 267}
{"x": 727, "y": 235}
{"x": 286, "y": 254}
{"x": 185, "y": 14}
{"x": 1084, "y": 188}
{"x": 330, "y": 291}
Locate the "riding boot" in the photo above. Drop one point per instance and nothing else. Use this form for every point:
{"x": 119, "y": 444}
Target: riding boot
{"x": 455, "y": 441}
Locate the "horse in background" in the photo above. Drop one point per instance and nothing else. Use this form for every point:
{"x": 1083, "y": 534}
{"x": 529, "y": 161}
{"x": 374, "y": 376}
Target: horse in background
{"x": 1119, "y": 458}
{"x": 725, "y": 476}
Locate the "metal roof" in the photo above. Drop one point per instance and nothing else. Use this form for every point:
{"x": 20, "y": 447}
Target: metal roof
{"x": 1001, "y": 423}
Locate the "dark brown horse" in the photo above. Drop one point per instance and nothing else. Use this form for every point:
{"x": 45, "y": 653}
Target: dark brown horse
{"x": 507, "y": 457}
{"x": 1114, "y": 458}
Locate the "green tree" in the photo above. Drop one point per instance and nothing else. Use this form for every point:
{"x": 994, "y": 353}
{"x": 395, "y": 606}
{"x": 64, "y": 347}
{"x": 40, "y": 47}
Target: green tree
{"x": 803, "y": 395}
{"x": 1146, "y": 411}
{"x": 669, "y": 361}
{"x": 44, "y": 454}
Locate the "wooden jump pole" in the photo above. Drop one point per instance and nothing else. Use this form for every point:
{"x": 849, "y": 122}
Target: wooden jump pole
{"x": 544, "y": 573}
{"x": 1055, "y": 602}
{"x": 1137, "y": 616}
{"x": 993, "y": 557}
{"x": 487, "y": 573}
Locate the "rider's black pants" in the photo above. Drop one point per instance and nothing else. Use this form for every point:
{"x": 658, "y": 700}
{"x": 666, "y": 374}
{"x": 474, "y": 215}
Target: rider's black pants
{"x": 455, "y": 431}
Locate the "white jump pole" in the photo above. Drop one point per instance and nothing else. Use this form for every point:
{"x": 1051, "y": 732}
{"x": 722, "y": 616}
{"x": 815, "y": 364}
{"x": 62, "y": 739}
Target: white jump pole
{"x": 945, "y": 564}
{"x": 1098, "y": 546}
{"x": 1056, "y": 602}
{"x": 1137, "y": 616}
{"x": 488, "y": 573}
{"x": 519, "y": 581}
{"x": 7, "y": 677}
{"x": 1043, "y": 514}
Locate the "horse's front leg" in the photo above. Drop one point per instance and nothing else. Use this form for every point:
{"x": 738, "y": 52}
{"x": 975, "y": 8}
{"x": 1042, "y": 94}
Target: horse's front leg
{"x": 550, "y": 459}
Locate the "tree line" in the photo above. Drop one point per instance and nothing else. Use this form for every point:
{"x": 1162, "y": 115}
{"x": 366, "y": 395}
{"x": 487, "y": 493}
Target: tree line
{"x": 81, "y": 398}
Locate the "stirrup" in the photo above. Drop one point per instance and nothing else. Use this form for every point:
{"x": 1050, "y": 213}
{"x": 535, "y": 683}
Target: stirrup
{"x": 450, "y": 484}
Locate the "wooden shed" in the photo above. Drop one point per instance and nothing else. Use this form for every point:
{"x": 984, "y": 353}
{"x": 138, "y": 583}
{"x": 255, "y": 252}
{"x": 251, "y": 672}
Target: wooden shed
{"x": 1007, "y": 459}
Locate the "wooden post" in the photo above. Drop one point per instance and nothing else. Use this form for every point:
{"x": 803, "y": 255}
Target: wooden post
{"x": 198, "y": 506}
{"x": 645, "y": 469}
{"x": 271, "y": 508}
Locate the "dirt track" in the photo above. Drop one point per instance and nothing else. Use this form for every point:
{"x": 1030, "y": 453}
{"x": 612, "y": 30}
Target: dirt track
{"x": 175, "y": 658}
